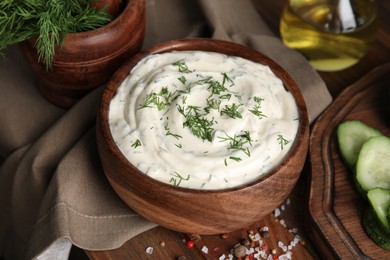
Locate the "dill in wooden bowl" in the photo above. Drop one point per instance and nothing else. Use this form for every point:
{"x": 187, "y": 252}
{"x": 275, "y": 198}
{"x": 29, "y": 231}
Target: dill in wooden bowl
{"x": 72, "y": 46}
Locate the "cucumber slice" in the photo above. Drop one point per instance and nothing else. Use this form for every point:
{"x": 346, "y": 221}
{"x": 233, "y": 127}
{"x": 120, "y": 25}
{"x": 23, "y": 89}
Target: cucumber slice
{"x": 373, "y": 164}
{"x": 374, "y": 230}
{"x": 351, "y": 135}
{"x": 380, "y": 202}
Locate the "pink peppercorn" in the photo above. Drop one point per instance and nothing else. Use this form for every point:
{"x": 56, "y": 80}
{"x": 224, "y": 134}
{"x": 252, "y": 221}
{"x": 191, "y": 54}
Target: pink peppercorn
{"x": 190, "y": 244}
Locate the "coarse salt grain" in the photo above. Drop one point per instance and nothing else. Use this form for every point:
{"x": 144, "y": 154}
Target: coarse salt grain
{"x": 283, "y": 222}
{"x": 297, "y": 238}
{"x": 205, "y": 250}
{"x": 149, "y": 250}
{"x": 230, "y": 257}
{"x": 257, "y": 237}
{"x": 283, "y": 257}
{"x": 288, "y": 201}
{"x": 222, "y": 257}
{"x": 283, "y": 207}
{"x": 293, "y": 230}
{"x": 282, "y": 246}
{"x": 277, "y": 212}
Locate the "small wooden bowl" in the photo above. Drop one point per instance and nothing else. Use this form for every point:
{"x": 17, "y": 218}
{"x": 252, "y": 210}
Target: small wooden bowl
{"x": 201, "y": 211}
{"x": 88, "y": 59}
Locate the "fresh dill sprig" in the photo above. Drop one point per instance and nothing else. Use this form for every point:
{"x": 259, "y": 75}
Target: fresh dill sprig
{"x": 49, "y": 20}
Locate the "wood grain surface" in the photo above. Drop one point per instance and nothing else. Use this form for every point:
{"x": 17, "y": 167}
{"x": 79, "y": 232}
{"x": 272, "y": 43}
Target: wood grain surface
{"x": 335, "y": 205}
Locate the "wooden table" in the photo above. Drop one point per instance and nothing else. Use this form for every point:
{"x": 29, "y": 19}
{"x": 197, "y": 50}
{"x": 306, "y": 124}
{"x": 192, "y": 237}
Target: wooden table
{"x": 294, "y": 212}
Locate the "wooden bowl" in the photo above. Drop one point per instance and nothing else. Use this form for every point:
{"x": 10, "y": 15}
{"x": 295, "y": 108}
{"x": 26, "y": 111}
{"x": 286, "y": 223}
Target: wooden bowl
{"x": 88, "y": 59}
{"x": 201, "y": 211}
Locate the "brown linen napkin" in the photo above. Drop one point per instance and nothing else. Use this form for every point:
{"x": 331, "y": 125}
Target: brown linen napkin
{"x": 52, "y": 188}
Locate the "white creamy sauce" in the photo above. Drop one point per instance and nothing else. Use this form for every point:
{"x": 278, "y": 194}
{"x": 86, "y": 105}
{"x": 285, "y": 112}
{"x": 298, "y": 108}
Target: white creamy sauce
{"x": 203, "y": 120}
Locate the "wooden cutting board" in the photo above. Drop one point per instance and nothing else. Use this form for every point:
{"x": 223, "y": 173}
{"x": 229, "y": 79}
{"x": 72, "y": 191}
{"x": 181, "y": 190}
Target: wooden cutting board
{"x": 334, "y": 205}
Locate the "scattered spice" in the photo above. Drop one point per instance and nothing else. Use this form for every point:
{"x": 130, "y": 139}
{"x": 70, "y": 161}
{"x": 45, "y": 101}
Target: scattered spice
{"x": 149, "y": 250}
{"x": 252, "y": 245}
{"x": 190, "y": 244}
{"x": 239, "y": 251}
{"x": 277, "y": 212}
{"x": 205, "y": 249}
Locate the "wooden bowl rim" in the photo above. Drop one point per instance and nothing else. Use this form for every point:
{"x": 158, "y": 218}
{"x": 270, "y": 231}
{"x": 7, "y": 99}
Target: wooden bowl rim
{"x": 212, "y": 45}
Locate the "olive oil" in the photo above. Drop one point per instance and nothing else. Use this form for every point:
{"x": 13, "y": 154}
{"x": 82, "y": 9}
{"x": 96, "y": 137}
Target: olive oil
{"x": 331, "y": 34}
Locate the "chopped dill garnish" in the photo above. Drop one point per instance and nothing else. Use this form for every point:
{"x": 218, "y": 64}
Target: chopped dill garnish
{"x": 227, "y": 79}
{"x": 216, "y": 87}
{"x": 226, "y": 96}
{"x": 182, "y": 79}
{"x": 182, "y": 66}
{"x": 237, "y": 142}
{"x": 212, "y": 103}
{"x": 237, "y": 159}
{"x": 198, "y": 124}
{"x": 136, "y": 143}
{"x": 176, "y": 180}
{"x": 166, "y": 127}
{"x": 282, "y": 141}
{"x": 232, "y": 111}
{"x": 159, "y": 100}
{"x": 256, "y": 109}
